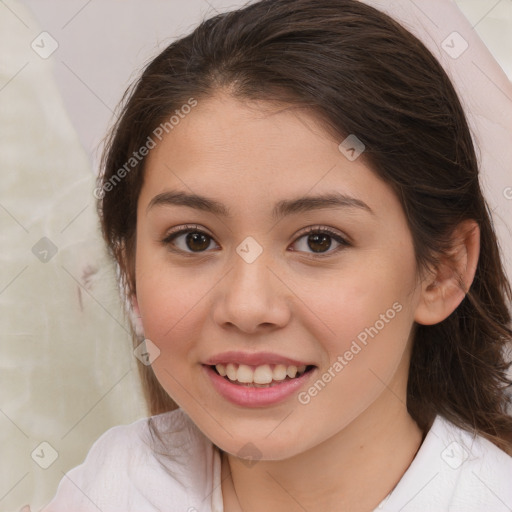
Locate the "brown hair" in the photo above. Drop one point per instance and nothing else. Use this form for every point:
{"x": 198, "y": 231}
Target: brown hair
{"x": 363, "y": 74}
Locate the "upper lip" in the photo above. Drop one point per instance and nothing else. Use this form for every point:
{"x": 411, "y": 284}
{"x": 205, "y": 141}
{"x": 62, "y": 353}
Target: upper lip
{"x": 253, "y": 359}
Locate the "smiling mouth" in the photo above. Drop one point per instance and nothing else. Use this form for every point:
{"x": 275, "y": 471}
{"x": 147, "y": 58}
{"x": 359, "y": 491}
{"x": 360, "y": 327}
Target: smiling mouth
{"x": 263, "y": 376}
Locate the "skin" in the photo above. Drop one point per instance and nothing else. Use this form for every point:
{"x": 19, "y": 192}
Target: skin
{"x": 349, "y": 446}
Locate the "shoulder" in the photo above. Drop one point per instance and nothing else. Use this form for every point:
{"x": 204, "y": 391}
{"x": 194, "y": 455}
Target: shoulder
{"x": 483, "y": 471}
{"x": 141, "y": 466}
{"x": 471, "y": 453}
{"x": 168, "y": 434}
{"x": 454, "y": 470}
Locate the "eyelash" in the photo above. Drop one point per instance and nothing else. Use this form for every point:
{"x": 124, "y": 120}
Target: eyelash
{"x": 310, "y": 230}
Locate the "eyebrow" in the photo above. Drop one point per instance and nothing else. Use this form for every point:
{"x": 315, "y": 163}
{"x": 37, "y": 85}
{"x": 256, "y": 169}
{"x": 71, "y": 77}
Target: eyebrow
{"x": 281, "y": 209}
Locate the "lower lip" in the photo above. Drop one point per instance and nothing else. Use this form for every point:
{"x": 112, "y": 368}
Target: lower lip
{"x": 256, "y": 397}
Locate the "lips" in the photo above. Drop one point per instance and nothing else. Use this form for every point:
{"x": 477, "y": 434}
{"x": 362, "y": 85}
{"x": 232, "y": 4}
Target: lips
{"x": 254, "y": 359}
{"x": 258, "y": 395}
{"x": 259, "y": 375}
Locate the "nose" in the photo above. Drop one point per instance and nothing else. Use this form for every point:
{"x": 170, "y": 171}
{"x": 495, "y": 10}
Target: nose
{"x": 252, "y": 296}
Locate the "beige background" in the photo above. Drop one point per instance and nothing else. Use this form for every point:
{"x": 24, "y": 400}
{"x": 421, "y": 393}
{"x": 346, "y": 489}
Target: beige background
{"x": 67, "y": 371}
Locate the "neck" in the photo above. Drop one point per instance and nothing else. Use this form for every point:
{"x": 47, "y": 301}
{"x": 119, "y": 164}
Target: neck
{"x": 354, "y": 470}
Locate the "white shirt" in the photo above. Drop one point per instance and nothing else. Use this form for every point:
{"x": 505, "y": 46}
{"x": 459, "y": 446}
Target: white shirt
{"x": 452, "y": 471}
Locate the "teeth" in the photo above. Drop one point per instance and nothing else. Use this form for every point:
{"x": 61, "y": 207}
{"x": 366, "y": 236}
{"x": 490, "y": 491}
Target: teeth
{"x": 279, "y": 372}
{"x": 245, "y": 375}
{"x": 231, "y": 371}
{"x": 221, "y": 369}
{"x": 291, "y": 371}
{"x": 263, "y": 374}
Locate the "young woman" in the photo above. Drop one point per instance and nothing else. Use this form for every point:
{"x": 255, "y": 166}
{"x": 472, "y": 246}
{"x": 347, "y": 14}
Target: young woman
{"x": 292, "y": 195}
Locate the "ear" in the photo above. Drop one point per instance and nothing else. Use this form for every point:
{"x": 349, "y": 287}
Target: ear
{"x": 135, "y": 317}
{"x": 126, "y": 264}
{"x": 126, "y": 260}
{"x": 446, "y": 286}
{"x": 135, "y": 304}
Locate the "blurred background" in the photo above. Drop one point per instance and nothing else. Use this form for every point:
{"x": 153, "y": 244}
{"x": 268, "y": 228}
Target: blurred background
{"x": 67, "y": 370}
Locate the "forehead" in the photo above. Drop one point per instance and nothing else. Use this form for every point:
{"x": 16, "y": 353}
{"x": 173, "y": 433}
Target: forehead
{"x": 223, "y": 125}
{"x": 252, "y": 152}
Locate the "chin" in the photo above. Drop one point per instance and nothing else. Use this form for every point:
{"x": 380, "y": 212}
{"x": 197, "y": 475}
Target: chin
{"x": 252, "y": 449}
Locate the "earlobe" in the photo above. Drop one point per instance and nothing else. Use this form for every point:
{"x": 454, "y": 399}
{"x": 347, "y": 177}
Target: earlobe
{"x": 135, "y": 317}
{"x": 445, "y": 287}
{"x": 135, "y": 304}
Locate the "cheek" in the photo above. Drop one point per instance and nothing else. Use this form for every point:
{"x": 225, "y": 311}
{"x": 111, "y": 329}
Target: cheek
{"x": 171, "y": 309}
{"x": 170, "y": 300}
{"x": 370, "y": 326}
{"x": 369, "y": 299}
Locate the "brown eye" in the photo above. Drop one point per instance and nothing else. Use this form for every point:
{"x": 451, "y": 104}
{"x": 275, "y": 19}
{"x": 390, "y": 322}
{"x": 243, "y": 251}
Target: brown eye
{"x": 197, "y": 241}
{"x": 319, "y": 241}
{"x": 188, "y": 241}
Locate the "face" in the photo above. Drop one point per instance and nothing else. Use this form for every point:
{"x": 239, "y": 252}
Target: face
{"x": 327, "y": 283}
